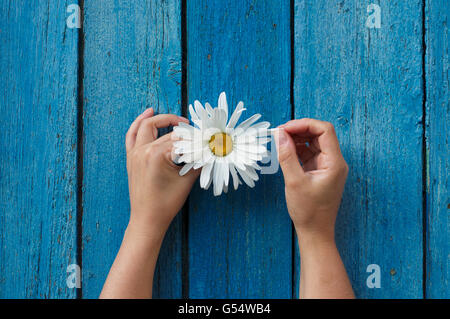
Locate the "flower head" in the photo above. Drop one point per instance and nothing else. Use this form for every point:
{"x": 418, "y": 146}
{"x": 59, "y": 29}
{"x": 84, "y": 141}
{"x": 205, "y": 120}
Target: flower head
{"x": 219, "y": 147}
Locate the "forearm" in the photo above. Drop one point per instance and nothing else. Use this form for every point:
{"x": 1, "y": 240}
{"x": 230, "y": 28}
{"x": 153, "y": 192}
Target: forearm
{"x": 322, "y": 273}
{"x": 131, "y": 275}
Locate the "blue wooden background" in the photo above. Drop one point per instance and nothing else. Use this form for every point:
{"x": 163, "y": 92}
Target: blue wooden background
{"x": 69, "y": 95}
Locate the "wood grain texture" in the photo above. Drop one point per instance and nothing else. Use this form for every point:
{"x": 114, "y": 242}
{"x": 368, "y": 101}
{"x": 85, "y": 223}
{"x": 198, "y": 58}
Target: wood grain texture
{"x": 368, "y": 83}
{"x": 38, "y": 138}
{"x": 437, "y": 150}
{"x": 132, "y": 61}
{"x": 240, "y": 243}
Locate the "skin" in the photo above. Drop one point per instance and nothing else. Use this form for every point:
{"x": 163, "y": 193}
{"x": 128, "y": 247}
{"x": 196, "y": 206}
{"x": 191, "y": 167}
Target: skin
{"x": 157, "y": 193}
{"x": 313, "y": 195}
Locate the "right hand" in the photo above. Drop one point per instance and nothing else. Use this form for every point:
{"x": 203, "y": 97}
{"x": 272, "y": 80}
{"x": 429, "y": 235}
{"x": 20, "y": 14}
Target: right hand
{"x": 313, "y": 189}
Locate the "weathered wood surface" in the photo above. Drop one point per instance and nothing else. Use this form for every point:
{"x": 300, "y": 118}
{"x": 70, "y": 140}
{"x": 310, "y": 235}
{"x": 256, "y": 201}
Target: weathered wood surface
{"x": 377, "y": 86}
{"x": 132, "y": 61}
{"x": 240, "y": 243}
{"x": 368, "y": 83}
{"x": 38, "y": 139}
{"x": 437, "y": 149}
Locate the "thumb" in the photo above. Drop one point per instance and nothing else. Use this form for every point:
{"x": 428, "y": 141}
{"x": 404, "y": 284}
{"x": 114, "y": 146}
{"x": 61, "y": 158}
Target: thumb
{"x": 287, "y": 156}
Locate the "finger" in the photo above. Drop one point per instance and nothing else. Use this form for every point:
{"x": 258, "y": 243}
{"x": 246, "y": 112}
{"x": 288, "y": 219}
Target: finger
{"x": 166, "y": 144}
{"x": 148, "y": 130}
{"x": 163, "y": 140}
{"x": 130, "y": 138}
{"x": 287, "y": 156}
{"x": 169, "y": 137}
{"x": 327, "y": 140}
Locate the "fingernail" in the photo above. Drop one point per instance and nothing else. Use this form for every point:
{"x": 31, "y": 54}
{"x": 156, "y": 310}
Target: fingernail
{"x": 183, "y": 119}
{"x": 148, "y": 111}
{"x": 282, "y": 137}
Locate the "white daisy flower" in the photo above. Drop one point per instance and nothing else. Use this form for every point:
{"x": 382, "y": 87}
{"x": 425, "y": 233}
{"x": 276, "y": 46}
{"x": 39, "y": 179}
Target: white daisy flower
{"x": 221, "y": 148}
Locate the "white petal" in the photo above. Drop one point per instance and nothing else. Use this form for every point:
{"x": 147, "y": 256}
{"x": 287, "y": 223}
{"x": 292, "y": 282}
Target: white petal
{"x": 183, "y": 133}
{"x": 186, "y": 158}
{"x": 244, "y": 158}
{"x": 223, "y": 103}
{"x": 209, "y": 183}
{"x": 225, "y": 173}
{"x": 222, "y": 169}
{"x": 193, "y": 147}
{"x": 251, "y": 148}
{"x": 218, "y": 180}
{"x": 178, "y": 151}
{"x": 186, "y": 169}
{"x": 266, "y": 157}
{"x": 190, "y": 157}
{"x": 250, "y": 171}
{"x": 201, "y": 112}
{"x": 264, "y": 140}
{"x": 186, "y": 126}
{"x": 248, "y": 158}
{"x": 245, "y": 139}
{"x": 194, "y": 116}
{"x": 238, "y": 161}
{"x": 200, "y": 160}
{"x": 187, "y": 144}
{"x": 210, "y": 131}
{"x": 261, "y": 125}
{"x": 236, "y": 115}
{"x": 246, "y": 124}
{"x": 246, "y": 178}
{"x": 263, "y": 132}
{"x": 208, "y": 156}
{"x": 209, "y": 109}
{"x": 176, "y": 159}
{"x": 237, "y": 132}
{"x": 205, "y": 176}
{"x": 235, "y": 176}
{"x": 256, "y": 132}
{"x": 220, "y": 119}
{"x": 198, "y": 165}
{"x": 205, "y": 158}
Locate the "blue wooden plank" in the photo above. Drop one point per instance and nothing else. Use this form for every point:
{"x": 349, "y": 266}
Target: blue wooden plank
{"x": 437, "y": 151}
{"x": 240, "y": 243}
{"x": 132, "y": 61}
{"x": 368, "y": 83}
{"x": 296, "y": 270}
{"x": 38, "y": 138}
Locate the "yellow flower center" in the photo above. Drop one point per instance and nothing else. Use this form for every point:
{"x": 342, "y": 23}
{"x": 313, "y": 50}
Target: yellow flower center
{"x": 221, "y": 144}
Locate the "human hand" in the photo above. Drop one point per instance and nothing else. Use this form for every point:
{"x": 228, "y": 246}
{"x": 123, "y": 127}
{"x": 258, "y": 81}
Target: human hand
{"x": 157, "y": 191}
{"x": 313, "y": 189}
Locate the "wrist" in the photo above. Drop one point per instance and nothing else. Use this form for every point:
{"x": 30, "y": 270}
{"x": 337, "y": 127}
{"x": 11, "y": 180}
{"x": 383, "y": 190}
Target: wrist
{"x": 138, "y": 230}
{"x": 315, "y": 238}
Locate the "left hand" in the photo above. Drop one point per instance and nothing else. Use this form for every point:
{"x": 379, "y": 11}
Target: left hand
{"x": 157, "y": 191}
